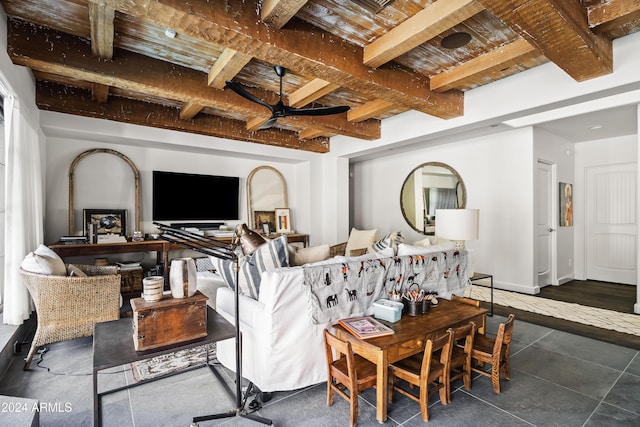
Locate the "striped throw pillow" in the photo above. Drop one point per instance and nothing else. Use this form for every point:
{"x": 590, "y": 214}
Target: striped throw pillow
{"x": 270, "y": 255}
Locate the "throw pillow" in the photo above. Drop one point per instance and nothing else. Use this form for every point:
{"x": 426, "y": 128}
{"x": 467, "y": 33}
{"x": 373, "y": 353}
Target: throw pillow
{"x": 44, "y": 261}
{"x": 424, "y": 242}
{"x": 74, "y": 270}
{"x": 359, "y": 239}
{"x": 303, "y": 256}
{"x": 272, "y": 254}
{"x": 391, "y": 240}
{"x": 204, "y": 264}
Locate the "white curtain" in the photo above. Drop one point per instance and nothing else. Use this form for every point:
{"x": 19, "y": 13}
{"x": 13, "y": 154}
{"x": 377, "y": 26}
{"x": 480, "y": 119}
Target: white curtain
{"x": 24, "y": 222}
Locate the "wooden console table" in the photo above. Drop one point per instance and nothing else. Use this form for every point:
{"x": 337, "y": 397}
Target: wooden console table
{"x": 161, "y": 247}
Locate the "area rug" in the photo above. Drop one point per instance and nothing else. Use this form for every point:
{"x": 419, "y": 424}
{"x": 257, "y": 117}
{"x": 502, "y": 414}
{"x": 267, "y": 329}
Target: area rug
{"x": 597, "y": 317}
{"x": 173, "y": 362}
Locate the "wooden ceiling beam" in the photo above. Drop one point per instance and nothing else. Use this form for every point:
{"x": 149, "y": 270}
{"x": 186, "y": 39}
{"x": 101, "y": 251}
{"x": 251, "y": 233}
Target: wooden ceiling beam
{"x": 313, "y": 53}
{"x": 256, "y": 122}
{"x": 70, "y": 57}
{"x": 228, "y": 64}
{"x": 369, "y": 110}
{"x": 101, "y": 17}
{"x": 435, "y": 19}
{"x": 71, "y": 100}
{"x": 614, "y": 13}
{"x": 189, "y": 110}
{"x": 312, "y": 133}
{"x": 465, "y": 75}
{"x": 316, "y": 88}
{"x": 559, "y": 29}
{"x": 99, "y": 93}
{"x": 278, "y": 12}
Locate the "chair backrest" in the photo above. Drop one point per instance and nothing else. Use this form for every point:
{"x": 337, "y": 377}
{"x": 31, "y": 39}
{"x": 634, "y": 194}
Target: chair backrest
{"x": 464, "y": 300}
{"x": 503, "y": 337}
{"x": 443, "y": 343}
{"x": 466, "y": 332}
{"x": 342, "y": 349}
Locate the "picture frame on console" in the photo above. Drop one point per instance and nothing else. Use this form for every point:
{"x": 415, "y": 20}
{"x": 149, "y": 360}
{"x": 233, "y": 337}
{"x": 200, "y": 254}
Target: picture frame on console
{"x": 283, "y": 220}
{"x": 108, "y": 221}
{"x": 265, "y": 220}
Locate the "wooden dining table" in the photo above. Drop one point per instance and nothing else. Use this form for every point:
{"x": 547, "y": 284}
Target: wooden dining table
{"x": 409, "y": 337}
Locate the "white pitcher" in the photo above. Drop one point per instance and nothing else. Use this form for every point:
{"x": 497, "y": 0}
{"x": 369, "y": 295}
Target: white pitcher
{"x": 182, "y": 277}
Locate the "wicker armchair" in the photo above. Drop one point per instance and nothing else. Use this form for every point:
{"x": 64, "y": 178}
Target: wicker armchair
{"x": 69, "y": 306}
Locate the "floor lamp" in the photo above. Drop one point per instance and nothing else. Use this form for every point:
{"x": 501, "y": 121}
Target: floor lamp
{"x": 225, "y": 251}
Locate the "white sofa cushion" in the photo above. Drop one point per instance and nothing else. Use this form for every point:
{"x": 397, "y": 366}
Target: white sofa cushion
{"x": 406, "y": 249}
{"x": 270, "y": 255}
{"x": 44, "y": 261}
{"x": 301, "y": 256}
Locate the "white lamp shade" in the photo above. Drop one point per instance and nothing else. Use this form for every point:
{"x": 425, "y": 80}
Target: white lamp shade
{"x": 458, "y": 224}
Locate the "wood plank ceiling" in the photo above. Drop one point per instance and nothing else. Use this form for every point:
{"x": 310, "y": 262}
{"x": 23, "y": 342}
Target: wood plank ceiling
{"x": 164, "y": 63}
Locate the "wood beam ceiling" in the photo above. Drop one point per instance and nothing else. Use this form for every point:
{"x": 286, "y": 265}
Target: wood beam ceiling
{"x": 316, "y": 54}
{"x": 65, "y": 99}
{"x": 559, "y": 29}
{"x": 71, "y": 57}
{"x": 614, "y": 13}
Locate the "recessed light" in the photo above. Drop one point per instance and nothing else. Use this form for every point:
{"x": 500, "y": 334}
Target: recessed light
{"x": 455, "y": 40}
{"x": 170, "y": 33}
{"x": 595, "y": 127}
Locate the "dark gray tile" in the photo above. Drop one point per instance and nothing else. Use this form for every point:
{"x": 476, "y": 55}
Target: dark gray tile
{"x": 607, "y": 415}
{"x": 624, "y": 393}
{"x": 578, "y": 375}
{"x": 634, "y": 366}
{"x": 535, "y": 400}
{"x": 600, "y": 352}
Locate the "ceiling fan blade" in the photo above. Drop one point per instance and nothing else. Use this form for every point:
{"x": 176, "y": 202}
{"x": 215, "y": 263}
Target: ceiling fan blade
{"x": 320, "y": 111}
{"x": 247, "y": 95}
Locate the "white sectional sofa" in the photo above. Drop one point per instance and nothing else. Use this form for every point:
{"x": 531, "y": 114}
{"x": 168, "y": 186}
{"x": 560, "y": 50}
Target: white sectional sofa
{"x": 282, "y": 348}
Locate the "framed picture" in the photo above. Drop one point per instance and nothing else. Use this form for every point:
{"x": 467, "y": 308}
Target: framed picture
{"x": 566, "y": 204}
{"x": 283, "y": 220}
{"x": 109, "y": 221}
{"x": 264, "y": 220}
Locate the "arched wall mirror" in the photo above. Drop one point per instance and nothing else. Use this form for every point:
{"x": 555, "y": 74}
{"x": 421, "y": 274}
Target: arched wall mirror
{"x": 266, "y": 191}
{"x": 428, "y": 187}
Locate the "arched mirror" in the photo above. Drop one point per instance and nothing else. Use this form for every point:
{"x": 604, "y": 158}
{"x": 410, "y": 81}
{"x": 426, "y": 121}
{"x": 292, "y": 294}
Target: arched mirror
{"x": 266, "y": 192}
{"x": 428, "y": 187}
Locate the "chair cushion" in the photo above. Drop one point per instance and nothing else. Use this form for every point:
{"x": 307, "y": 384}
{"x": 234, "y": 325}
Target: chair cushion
{"x": 44, "y": 261}
{"x": 76, "y": 271}
{"x": 270, "y": 255}
{"x": 359, "y": 239}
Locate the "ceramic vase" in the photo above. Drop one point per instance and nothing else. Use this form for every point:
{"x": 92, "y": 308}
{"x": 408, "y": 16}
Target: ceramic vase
{"x": 182, "y": 277}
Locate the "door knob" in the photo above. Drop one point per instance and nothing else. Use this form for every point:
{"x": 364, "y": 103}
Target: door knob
{"x": 551, "y": 230}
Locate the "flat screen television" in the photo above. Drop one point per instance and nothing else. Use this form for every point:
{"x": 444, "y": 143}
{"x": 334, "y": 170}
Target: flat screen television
{"x": 193, "y": 197}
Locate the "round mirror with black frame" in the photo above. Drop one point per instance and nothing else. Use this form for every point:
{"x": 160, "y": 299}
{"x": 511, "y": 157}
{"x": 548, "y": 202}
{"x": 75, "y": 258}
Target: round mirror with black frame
{"x": 428, "y": 187}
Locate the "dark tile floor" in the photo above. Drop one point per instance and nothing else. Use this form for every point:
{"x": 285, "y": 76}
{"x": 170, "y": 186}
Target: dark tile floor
{"x": 557, "y": 379}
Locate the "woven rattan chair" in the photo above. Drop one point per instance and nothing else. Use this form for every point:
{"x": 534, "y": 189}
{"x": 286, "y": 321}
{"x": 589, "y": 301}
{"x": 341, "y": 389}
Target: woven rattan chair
{"x": 69, "y": 306}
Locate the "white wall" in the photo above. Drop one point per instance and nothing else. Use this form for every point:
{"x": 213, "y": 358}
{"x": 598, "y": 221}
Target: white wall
{"x": 104, "y": 180}
{"x": 498, "y": 174}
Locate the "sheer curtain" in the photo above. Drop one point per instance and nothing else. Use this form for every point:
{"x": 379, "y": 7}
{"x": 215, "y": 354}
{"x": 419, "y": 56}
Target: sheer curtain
{"x": 24, "y": 223}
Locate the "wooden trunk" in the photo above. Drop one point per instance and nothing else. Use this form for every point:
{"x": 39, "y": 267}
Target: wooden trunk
{"x": 131, "y": 281}
{"x": 168, "y": 321}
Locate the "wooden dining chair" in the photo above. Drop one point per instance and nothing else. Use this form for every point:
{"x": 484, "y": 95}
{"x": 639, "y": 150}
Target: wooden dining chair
{"x": 494, "y": 351}
{"x": 460, "y": 365}
{"x": 474, "y": 302}
{"x": 347, "y": 370}
{"x": 424, "y": 370}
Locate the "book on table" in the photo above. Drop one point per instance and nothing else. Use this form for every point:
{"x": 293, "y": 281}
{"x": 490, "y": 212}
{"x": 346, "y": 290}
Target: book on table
{"x": 365, "y": 327}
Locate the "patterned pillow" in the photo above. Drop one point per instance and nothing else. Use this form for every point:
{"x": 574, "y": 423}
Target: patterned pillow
{"x": 272, "y": 254}
{"x": 391, "y": 240}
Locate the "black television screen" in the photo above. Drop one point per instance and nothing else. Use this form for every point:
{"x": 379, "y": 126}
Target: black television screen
{"x": 194, "y": 197}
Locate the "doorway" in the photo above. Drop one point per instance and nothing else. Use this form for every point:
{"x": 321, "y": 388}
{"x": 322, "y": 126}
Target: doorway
{"x": 611, "y": 223}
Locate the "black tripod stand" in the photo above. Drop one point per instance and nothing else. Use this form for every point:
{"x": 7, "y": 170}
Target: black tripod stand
{"x": 222, "y": 250}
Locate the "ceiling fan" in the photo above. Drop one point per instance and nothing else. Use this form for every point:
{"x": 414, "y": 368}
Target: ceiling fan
{"x": 279, "y": 110}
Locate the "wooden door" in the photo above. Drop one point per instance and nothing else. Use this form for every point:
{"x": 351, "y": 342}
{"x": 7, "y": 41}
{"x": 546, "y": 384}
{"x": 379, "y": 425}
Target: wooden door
{"x": 611, "y": 223}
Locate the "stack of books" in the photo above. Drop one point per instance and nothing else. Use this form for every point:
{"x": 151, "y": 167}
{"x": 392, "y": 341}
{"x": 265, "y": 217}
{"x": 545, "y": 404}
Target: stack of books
{"x": 73, "y": 240}
{"x": 111, "y": 238}
{"x": 365, "y": 327}
{"x": 128, "y": 266}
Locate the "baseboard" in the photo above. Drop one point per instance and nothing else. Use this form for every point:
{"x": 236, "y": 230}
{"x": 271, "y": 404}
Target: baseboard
{"x": 14, "y": 334}
{"x": 513, "y": 287}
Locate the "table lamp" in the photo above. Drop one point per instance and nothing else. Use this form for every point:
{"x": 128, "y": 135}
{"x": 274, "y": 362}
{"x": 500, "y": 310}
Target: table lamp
{"x": 458, "y": 225}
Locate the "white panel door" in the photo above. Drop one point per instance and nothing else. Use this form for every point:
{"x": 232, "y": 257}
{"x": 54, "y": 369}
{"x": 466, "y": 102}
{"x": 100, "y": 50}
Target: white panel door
{"x": 544, "y": 229}
{"x": 611, "y": 223}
